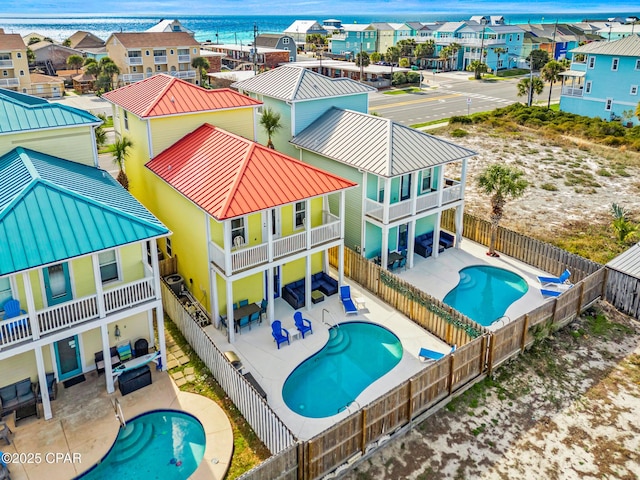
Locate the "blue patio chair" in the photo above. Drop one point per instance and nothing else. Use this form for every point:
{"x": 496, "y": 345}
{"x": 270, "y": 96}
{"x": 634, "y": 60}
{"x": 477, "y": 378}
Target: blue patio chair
{"x": 280, "y": 335}
{"x": 243, "y": 322}
{"x": 402, "y": 263}
{"x": 255, "y": 317}
{"x": 12, "y": 309}
{"x": 427, "y": 355}
{"x": 244, "y": 302}
{"x": 223, "y": 322}
{"x": 550, "y": 293}
{"x": 555, "y": 280}
{"x": 302, "y": 324}
{"x": 347, "y": 303}
{"x": 263, "y": 308}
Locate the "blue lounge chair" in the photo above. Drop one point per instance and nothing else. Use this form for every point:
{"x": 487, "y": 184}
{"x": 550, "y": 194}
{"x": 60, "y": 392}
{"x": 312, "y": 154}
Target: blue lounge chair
{"x": 12, "y": 309}
{"x": 555, "y": 280}
{"x": 550, "y": 293}
{"x": 280, "y": 335}
{"x": 347, "y": 303}
{"x": 302, "y": 324}
{"x": 427, "y": 355}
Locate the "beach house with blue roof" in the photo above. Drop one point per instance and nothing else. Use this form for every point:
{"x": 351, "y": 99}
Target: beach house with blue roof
{"x": 603, "y": 80}
{"x": 77, "y": 273}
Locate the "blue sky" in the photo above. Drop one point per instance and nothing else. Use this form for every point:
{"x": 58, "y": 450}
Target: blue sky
{"x": 304, "y": 8}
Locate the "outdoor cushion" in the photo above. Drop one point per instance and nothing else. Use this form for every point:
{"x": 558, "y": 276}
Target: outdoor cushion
{"x": 23, "y": 387}
{"x": 124, "y": 352}
{"x": 8, "y": 393}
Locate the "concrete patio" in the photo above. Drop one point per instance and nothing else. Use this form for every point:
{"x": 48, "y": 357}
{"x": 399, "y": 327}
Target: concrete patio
{"x": 84, "y": 427}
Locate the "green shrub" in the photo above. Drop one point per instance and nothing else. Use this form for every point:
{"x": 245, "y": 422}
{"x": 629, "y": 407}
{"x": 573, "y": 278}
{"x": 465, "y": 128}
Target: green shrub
{"x": 550, "y": 187}
{"x": 460, "y": 119}
{"x": 399, "y": 78}
{"x": 458, "y": 132}
{"x": 413, "y": 77}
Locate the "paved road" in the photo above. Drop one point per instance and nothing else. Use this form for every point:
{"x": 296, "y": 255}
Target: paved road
{"x": 450, "y": 94}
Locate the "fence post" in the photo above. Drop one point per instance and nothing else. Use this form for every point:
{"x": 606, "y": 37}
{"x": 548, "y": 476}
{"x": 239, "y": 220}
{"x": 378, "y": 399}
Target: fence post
{"x": 580, "y": 299}
{"x": 301, "y": 460}
{"x": 525, "y": 327}
{"x": 603, "y": 293}
{"x": 364, "y": 429}
{"x": 492, "y": 347}
{"x": 410, "y": 406}
{"x": 451, "y": 367}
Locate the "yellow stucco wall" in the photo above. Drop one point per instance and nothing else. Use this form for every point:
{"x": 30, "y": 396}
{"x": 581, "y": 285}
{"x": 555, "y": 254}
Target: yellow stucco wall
{"x": 74, "y": 143}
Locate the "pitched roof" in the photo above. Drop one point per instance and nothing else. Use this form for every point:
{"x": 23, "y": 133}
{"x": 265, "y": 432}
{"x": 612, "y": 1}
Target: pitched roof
{"x": 42, "y": 78}
{"x": 82, "y": 39}
{"x": 627, "y": 262}
{"x": 270, "y": 39}
{"x": 228, "y": 176}
{"x": 20, "y": 112}
{"x": 291, "y": 83}
{"x": 376, "y": 144}
{"x": 625, "y": 47}
{"x": 53, "y": 209}
{"x": 11, "y": 41}
{"x": 162, "y": 94}
{"x": 169, "y": 26}
{"x": 155, "y": 39}
{"x": 303, "y": 26}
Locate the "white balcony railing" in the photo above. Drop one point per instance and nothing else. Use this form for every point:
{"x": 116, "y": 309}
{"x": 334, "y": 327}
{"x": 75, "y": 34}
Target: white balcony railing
{"x": 452, "y": 193}
{"x": 6, "y": 63}
{"x": 427, "y": 201}
{"x": 160, "y": 59}
{"x": 67, "y": 314}
{"x": 572, "y": 92}
{"x": 15, "y": 330}
{"x": 468, "y": 42}
{"x": 129, "y": 295}
{"x": 183, "y": 74}
{"x": 134, "y": 60}
{"x": 184, "y": 58}
{"x": 131, "y": 77}
{"x": 399, "y": 209}
{"x": 247, "y": 257}
{"x": 9, "y": 82}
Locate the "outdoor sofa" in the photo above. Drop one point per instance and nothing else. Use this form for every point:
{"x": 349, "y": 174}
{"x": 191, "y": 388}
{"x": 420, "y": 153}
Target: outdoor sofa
{"x": 19, "y": 397}
{"x": 293, "y": 293}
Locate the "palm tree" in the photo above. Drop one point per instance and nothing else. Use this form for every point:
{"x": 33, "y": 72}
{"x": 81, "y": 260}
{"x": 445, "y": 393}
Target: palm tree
{"x": 454, "y": 49}
{"x": 551, "y": 73}
{"x": 120, "y": 152}
{"x": 92, "y": 67}
{"x": 638, "y": 110}
{"x": 499, "y": 51}
{"x": 363, "y": 58}
{"x": 445, "y": 53}
{"x": 501, "y": 182}
{"x": 529, "y": 86}
{"x": 270, "y": 121}
{"x": 75, "y": 61}
{"x": 202, "y": 65}
{"x": 478, "y": 68}
{"x": 392, "y": 55}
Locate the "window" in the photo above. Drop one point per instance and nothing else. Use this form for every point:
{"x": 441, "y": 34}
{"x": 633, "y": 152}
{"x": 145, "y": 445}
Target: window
{"x": 134, "y": 69}
{"x": 19, "y": 55}
{"x": 146, "y": 53}
{"x": 158, "y": 68}
{"x": 609, "y": 104}
{"x": 108, "y": 266}
{"x": 5, "y": 291}
{"x": 587, "y": 87}
{"x": 518, "y": 37}
{"x": 592, "y": 62}
{"x": 614, "y": 64}
{"x": 195, "y": 51}
{"x": 511, "y": 38}
{"x": 633, "y": 90}
{"x": 171, "y": 51}
{"x": 425, "y": 186}
{"x": 300, "y": 214}
{"x": 238, "y": 232}
{"x": 126, "y": 120}
{"x": 5, "y": 73}
{"x": 22, "y": 73}
{"x": 169, "y": 247}
{"x": 285, "y": 41}
{"x": 638, "y": 64}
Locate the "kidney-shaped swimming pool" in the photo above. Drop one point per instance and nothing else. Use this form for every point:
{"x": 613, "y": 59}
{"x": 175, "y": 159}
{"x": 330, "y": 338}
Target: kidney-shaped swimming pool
{"x": 355, "y": 356}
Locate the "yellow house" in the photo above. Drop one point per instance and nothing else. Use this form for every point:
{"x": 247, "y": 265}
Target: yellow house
{"x": 14, "y": 64}
{"x": 253, "y": 232}
{"x": 140, "y": 55}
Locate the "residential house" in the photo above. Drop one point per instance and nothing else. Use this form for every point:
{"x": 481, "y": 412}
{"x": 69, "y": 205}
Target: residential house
{"x": 332, "y": 24}
{"x": 557, "y": 39}
{"x": 246, "y": 57}
{"x": 46, "y": 86}
{"x": 169, "y": 26}
{"x": 384, "y": 36}
{"x": 84, "y": 83}
{"x": 80, "y": 271}
{"x": 141, "y": 55}
{"x": 89, "y": 44}
{"x": 14, "y": 65}
{"x": 40, "y": 125}
{"x": 401, "y": 31}
{"x": 299, "y": 30}
{"x": 51, "y": 57}
{"x": 300, "y": 96}
{"x": 236, "y": 235}
{"x": 279, "y": 42}
{"x": 402, "y": 188}
{"x": 354, "y": 38}
{"x": 603, "y": 80}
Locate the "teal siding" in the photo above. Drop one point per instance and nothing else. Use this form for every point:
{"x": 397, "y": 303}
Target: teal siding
{"x": 309, "y": 111}
{"x": 281, "y": 138}
{"x": 373, "y": 245}
{"x": 372, "y": 186}
{"x": 426, "y": 224}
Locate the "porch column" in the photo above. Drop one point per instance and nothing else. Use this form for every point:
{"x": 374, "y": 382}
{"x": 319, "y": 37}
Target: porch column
{"x": 411, "y": 242}
{"x": 152, "y": 340}
{"x": 386, "y": 200}
{"x": 162, "y": 345}
{"x": 463, "y": 177}
{"x": 307, "y": 223}
{"x": 97, "y": 278}
{"x": 440, "y": 184}
{"x": 459, "y": 224}
{"x": 307, "y": 282}
{"x": 363, "y": 229}
{"x": 42, "y": 380}
{"x": 230, "y": 320}
{"x": 106, "y": 355}
{"x": 414, "y": 193}
{"x": 227, "y": 242}
{"x": 213, "y": 295}
{"x": 155, "y": 267}
{"x": 436, "y": 235}
{"x": 341, "y": 248}
{"x": 271, "y": 311}
{"x": 384, "y": 253}
{"x": 269, "y": 236}
{"x": 31, "y": 307}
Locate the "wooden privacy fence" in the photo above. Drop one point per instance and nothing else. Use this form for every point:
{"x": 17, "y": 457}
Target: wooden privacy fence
{"x": 533, "y": 252}
{"x": 168, "y": 266}
{"x": 623, "y": 291}
{"x": 430, "y": 313}
{"x": 267, "y": 425}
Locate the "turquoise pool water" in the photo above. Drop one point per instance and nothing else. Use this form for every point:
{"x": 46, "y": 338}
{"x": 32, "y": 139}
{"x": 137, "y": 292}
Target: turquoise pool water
{"x": 162, "y": 444}
{"x": 356, "y": 355}
{"x": 484, "y": 293}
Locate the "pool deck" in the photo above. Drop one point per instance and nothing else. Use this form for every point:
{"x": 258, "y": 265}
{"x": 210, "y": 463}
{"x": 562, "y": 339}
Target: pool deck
{"x": 271, "y": 366}
{"x": 83, "y": 423}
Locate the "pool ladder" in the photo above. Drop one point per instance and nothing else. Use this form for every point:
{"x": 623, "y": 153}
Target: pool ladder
{"x": 330, "y": 325}
{"x": 502, "y": 320}
{"x": 117, "y": 408}
{"x": 348, "y": 406}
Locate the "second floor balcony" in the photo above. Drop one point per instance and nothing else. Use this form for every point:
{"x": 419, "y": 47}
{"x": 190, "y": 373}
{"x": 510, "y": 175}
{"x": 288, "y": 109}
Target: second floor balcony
{"x": 244, "y": 257}
{"x": 49, "y": 320}
{"x": 9, "y": 82}
{"x": 184, "y": 58}
{"x": 6, "y": 63}
{"x": 183, "y": 74}
{"x": 131, "y": 77}
{"x": 134, "y": 60}
{"x": 572, "y": 91}
{"x": 160, "y": 59}
{"x": 451, "y": 192}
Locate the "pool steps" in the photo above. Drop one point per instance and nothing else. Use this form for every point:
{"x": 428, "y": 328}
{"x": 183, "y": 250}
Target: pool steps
{"x": 134, "y": 438}
{"x": 338, "y": 340}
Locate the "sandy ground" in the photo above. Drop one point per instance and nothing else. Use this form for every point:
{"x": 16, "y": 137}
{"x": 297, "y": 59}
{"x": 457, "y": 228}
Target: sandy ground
{"x": 567, "y": 409}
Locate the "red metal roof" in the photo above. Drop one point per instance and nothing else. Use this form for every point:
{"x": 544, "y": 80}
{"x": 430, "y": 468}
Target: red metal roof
{"x": 163, "y": 94}
{"x": 229, "y": 176}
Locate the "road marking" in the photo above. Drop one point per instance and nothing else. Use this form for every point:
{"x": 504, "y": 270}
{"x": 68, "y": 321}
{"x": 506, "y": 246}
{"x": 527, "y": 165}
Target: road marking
{"x": 412, "y": 102}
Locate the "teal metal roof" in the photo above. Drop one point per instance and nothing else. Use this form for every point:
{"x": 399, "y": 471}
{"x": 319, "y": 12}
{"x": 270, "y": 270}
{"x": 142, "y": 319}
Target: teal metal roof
{"x": 20, "y": 112}
{"x": 53, "y": 209}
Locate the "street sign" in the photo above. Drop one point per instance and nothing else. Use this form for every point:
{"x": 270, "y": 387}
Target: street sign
{"x": 468, "y": 101}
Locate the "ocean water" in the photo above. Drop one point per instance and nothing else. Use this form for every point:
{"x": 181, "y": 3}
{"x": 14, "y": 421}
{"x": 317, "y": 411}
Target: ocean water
{"x": 236, "y": 29}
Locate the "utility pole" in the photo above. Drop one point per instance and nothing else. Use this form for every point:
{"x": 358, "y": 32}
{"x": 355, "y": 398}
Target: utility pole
{"x": 361, "y": 60}
{"x": 255, "y": 48}
{"x": 553, "y": 43}
{"x": 530, "y": 102}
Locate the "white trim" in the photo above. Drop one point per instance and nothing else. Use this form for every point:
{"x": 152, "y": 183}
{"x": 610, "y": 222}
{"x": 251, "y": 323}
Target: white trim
{"x": 118, "y": 266}
{"x": 45, "y": 300}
